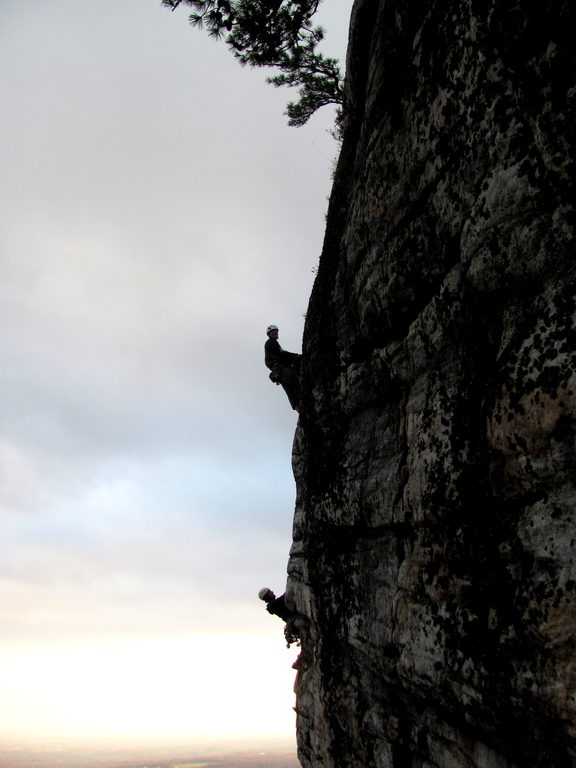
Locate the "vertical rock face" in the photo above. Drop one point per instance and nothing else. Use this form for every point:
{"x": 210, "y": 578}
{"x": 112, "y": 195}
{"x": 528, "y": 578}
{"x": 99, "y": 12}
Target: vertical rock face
{"x": 433, "y": 563}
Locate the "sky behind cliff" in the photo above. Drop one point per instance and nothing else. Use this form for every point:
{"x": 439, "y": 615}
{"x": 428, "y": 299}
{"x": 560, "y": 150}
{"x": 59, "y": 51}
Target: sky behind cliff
{"x": 156, "y": 213}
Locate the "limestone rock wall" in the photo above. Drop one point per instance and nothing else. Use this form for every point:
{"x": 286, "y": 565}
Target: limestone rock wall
{"x": 433, "y": 562}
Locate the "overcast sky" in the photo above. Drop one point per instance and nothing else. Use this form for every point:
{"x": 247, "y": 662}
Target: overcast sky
{"x": 156, "y": 213}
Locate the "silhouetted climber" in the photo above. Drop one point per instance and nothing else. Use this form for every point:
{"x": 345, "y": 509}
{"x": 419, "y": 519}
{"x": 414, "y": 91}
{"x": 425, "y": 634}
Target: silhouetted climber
{"x": 285, "y": 366}
{"x": 277, "y": 606}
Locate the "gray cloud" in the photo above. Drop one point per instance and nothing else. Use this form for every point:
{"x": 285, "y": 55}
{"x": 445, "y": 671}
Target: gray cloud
{"x": 156, "y": 214}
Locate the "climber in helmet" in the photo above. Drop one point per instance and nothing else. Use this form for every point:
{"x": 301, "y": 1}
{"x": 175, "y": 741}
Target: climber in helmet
{"x": 284, "y": 366}
{"x": 278, "y": 607}
{"x": 275, "y": 605}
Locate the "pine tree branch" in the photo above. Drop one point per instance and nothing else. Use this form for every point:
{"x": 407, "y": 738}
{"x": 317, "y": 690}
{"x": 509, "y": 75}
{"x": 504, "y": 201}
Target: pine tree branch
{"x": 279, "y": 34}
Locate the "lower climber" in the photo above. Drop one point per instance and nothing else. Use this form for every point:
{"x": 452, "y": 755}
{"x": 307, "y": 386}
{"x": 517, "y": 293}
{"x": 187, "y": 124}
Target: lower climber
{"x": 278, "y": 607}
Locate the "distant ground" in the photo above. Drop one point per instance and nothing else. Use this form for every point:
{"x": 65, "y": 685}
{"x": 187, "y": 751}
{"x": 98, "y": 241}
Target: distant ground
{"x": 122, "y": 758}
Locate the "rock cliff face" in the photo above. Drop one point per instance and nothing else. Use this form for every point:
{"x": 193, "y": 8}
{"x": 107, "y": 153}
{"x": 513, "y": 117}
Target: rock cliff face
{"x": 434, "y": 557}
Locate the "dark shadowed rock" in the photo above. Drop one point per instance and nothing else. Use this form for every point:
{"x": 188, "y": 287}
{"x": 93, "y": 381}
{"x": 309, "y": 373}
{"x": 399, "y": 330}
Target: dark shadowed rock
{"x": 433, "y": 561}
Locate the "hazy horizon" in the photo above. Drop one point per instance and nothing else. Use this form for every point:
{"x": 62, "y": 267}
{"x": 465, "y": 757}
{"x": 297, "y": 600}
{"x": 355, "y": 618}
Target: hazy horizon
{"x": 21, "y": 741}
{"x": 223, "y": 754}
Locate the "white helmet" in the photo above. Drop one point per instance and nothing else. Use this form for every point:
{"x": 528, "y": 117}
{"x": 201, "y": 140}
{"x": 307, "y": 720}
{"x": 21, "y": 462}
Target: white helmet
{"x": 271, "y": 328}
{"x": 263, "y": 593}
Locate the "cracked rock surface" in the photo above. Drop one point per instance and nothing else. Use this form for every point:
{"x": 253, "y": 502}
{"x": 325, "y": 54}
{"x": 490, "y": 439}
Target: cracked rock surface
{"x": 433, "y": 564}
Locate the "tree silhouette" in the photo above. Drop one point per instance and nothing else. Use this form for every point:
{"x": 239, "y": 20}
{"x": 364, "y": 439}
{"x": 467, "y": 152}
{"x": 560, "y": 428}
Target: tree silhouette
{"x": 275, "y": 33}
